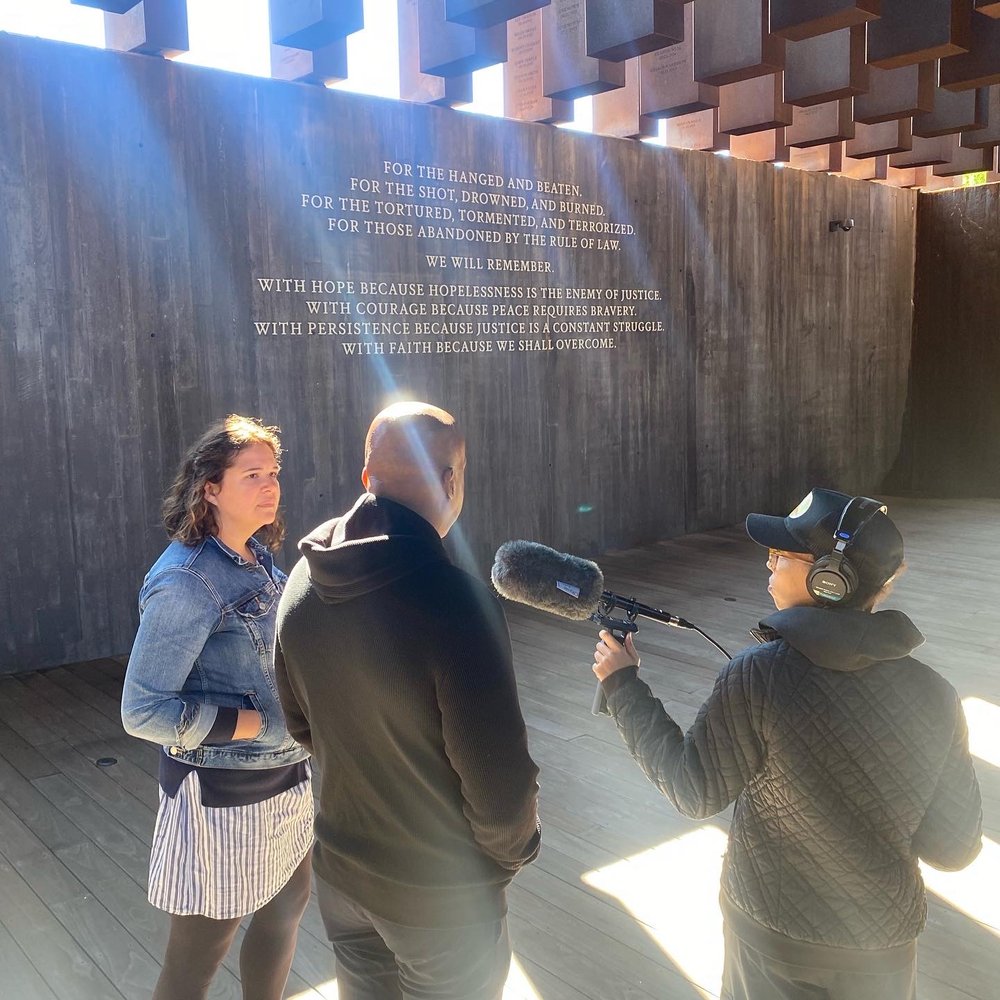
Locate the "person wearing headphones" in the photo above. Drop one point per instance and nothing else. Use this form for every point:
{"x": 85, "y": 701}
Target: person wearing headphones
{"x": 847, "y": 759}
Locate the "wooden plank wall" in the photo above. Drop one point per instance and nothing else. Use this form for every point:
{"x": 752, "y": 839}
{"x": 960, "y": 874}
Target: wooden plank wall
{"x": 139, "y": 200}
{"x": 953, "y": 414}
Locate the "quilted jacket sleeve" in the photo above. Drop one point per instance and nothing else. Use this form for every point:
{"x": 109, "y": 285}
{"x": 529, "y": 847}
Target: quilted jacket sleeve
{"x": 704, "y": 770}
{"x": 950, "y": 835}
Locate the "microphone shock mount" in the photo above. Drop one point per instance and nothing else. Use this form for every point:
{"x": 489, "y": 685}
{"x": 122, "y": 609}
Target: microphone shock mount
{"x": 620, "y": 627}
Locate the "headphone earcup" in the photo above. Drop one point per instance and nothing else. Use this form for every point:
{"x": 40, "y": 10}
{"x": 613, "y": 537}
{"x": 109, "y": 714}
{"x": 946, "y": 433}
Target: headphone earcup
{"x": 832, "y": 580}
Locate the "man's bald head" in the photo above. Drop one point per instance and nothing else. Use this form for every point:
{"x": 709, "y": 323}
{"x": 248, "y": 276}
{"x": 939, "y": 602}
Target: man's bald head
{"x": 415, "y": 455}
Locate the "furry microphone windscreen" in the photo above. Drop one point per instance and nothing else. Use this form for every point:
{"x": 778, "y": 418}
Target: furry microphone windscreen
{"x": 533, "y": 574}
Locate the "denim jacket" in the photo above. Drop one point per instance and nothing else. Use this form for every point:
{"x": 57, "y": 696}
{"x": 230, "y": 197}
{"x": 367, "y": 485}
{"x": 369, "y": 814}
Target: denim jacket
{"x": 205, "y": 642}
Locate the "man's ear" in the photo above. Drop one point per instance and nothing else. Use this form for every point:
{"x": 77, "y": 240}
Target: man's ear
{"x": 448, "y": 482}
{"x": 365, "y": 479}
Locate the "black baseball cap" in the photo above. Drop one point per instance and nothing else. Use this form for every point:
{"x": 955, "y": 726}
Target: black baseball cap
{"x": 876, "y": 551}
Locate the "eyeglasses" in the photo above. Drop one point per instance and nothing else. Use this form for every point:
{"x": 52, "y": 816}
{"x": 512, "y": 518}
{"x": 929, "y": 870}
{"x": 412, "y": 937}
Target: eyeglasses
{"x": 773, "y": 555}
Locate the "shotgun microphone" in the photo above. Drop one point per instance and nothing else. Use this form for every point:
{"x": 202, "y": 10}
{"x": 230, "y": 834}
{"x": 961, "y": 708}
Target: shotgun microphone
{"x": 533, "y": 574}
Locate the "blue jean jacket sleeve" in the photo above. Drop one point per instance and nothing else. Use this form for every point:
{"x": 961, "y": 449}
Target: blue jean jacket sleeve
{"x": 178, "y": 613}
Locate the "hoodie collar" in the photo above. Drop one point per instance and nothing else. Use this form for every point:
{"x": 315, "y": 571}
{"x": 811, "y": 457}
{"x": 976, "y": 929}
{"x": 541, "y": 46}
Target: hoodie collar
{"x": 845, "y": 639}
{"x": 374, "y": 544}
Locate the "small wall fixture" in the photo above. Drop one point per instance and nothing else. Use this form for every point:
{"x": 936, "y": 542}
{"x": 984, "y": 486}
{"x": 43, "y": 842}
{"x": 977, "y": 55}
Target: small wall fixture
{"x": 843, "y": 224}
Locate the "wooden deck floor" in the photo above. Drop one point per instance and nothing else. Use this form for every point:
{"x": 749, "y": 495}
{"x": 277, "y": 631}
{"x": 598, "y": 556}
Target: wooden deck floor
{"x": 622, "y": 901}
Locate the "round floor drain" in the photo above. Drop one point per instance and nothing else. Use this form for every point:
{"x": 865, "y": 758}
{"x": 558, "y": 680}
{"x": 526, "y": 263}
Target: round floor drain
{"x": 106, "y": 761}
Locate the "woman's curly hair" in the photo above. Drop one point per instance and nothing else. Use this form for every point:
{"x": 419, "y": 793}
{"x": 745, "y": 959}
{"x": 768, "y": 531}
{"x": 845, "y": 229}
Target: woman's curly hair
{"x": 187, "y": 515}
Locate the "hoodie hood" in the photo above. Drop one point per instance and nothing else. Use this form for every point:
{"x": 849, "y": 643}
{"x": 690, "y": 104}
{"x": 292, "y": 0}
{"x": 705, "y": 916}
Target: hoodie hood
{"x": 374, "y": 544}
{"x": 845, "y": 639}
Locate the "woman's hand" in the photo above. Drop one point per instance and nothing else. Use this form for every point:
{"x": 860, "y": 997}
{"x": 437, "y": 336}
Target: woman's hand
{"x": 610, "y": 655}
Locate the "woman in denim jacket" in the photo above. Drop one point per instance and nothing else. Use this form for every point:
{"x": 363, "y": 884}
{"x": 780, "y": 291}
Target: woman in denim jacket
{"x": 234, "y": 829}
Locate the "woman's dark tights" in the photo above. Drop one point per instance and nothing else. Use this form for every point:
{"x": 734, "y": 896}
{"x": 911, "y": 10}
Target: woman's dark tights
{"x": 197, "y": 946}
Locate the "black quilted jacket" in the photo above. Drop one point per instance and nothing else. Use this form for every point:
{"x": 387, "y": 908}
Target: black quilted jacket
{"x": 847, "y": 760}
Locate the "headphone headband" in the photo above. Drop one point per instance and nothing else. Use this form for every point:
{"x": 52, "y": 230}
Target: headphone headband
{"x": 854, "y": 517}
{"x": 833, "y": 579}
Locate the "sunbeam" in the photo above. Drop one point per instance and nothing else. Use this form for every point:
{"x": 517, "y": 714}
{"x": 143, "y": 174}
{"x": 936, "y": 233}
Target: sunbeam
{"x": 518, "y": 987}
{"x": 984, "y": 729}
{"x": 649, "y": 885}
{"x": 327, "y": 990}
{"x": 974, "y": 889}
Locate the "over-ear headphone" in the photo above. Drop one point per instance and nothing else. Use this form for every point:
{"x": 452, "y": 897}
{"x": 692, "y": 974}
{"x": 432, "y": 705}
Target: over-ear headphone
{"x": 832, "y": 579}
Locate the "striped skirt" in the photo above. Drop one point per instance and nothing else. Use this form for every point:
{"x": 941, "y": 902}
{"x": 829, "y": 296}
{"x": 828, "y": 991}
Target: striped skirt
{"x": 226, "y": 862}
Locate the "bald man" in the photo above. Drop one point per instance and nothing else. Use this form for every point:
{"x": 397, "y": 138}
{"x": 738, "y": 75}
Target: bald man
{"x": 394, "y": 670}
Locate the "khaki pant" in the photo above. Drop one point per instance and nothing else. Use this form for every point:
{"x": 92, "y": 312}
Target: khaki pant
{"x": 750, "y": 975}
{"x": 380, "y": 960}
